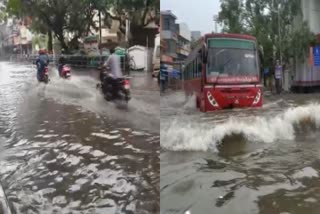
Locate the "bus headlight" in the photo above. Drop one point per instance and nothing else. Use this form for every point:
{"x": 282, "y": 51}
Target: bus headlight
{"x": 257, "y": 98}
{"x": 212, "y": 100}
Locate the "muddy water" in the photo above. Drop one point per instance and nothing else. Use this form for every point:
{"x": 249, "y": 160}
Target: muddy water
{"x": 241, "y": 161}
{"x": 65, "y": 150}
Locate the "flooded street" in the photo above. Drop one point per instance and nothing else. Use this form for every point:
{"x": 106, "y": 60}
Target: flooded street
{"x": 240, "y": 161}
{"x": 64, "y": 149}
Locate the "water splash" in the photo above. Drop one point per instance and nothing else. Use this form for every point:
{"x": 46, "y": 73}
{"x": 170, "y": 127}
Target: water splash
{"x": 195, "y": 136}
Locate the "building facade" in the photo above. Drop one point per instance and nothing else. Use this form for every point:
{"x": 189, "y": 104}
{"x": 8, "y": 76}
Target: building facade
{"x": 169, "y": 33}
{"x": 307, "y": 74}
{"x": 16, "y": 36}
{"x": 184, "y": 39}
{"x": 195, "y": 35}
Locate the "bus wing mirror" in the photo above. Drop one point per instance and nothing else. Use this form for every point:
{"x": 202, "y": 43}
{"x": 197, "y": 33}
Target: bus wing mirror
{"x": 204, "y": 55}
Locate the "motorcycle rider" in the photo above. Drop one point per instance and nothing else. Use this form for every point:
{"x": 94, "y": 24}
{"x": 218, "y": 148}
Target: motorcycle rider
{"x": 113, "y": 63}
{"x": 41, "y": 62}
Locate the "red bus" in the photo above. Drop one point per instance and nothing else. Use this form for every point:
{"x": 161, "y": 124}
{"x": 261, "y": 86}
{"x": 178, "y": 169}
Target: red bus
{"x": 223, "y": 71}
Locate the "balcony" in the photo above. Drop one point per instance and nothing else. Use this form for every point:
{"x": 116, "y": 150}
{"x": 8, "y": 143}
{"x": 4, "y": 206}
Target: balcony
{"x": 166, "y": 34}
{"x": 183, "y": 50}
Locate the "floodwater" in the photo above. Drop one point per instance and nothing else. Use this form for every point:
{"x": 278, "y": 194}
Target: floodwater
{"x": 241, "y": 161}
{"x": 64, "y": 149}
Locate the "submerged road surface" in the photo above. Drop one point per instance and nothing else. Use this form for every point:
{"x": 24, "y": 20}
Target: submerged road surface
{"x": 64, "y": 149}
{"x": 241, "y": 161}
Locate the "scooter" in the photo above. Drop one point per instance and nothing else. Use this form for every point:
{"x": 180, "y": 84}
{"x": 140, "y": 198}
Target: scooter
{"x": 65, "y": 72}
{"x": 45, "y": 76}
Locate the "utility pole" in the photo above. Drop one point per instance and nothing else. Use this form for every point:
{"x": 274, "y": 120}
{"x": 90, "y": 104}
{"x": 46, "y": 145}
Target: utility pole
{"x": 215, "y": 19}
{"x": 279, "y": 29}
{"x": 100, "y": 32}
{"x": 127, "y": 31}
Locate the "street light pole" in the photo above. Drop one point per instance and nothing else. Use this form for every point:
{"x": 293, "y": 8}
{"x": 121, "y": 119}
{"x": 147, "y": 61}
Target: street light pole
{"x": 279, "y": 30}
{"x": 280, "y": 45}
{"x": 215, "y": 19}
{"x": 100, "y": 34}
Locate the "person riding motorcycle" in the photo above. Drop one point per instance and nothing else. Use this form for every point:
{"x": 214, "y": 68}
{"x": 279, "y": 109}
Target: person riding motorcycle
{"x": 112, "y": 63}
{"x": 61, "y": 63}
{"x": 41, "y": 62}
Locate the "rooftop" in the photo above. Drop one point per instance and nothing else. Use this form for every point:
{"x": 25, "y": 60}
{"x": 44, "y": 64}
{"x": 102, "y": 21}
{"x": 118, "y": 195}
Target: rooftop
{"x": 168, "y": 13}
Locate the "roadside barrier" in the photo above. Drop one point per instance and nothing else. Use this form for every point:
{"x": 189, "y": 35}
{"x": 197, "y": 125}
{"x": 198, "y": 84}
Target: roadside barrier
{"x": 79, "y": 61}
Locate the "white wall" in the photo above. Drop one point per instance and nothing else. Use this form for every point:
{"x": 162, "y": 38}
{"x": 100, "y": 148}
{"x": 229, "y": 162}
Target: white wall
{"x": 185, "y": 31}
{"x": 311, "y": 13}
{"x": 195, "y": 35}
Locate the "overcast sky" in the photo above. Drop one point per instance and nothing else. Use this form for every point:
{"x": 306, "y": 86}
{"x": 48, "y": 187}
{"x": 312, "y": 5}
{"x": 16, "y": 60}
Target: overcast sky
{"x": 197, "y": 14}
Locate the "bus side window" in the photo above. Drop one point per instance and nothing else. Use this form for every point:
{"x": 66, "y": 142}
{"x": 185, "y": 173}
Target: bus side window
{"x": 199, "y": 68}
{"x": 188, "y": 71}
{"x": 192, "y": 71}
{"x": 194, "y": 68}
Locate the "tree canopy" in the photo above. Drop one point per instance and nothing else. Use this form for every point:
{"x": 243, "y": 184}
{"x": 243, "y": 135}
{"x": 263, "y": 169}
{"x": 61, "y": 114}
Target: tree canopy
{"x": 265, "y": 19}
{"x": 75, "y": 17}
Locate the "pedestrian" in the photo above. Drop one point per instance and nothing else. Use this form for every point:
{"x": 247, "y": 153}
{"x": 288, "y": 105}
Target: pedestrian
{"x": 162, "y": 77}
{"x": 278, "y": 77}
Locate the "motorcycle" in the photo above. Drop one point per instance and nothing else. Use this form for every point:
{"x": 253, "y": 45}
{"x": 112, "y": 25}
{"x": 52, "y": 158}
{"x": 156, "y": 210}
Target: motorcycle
{"x": 65, "y": 72}
{"x": 45, "y": 75}
{"x": 121, "y": 85}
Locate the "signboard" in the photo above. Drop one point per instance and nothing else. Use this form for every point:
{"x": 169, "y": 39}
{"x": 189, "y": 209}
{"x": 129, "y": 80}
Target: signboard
{"x": 233, "y": 79}
{"x": 167, "y": 59}
{"x": 231, "y": 43}
{"x": 316, "y": 55}
{"x": 311, "y": 56}
{"x": 175, "y": 74}
{"x": 278, "y": 72}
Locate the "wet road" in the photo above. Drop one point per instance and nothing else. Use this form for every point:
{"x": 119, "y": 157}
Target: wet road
{"x": 241, "y": 161}
{"x": 64, "y": 149}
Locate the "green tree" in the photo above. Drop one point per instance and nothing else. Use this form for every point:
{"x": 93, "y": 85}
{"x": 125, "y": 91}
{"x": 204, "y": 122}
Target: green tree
{"x": 231, "y": 16}
{"x": 262, "y": 18}
{"x": 75, "y": 17}
{"x": 139, "y": 12}
{"x": 61, "y": 17}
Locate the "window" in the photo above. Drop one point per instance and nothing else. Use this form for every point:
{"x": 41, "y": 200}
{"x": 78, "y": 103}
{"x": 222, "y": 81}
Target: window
{"x": 195, "y": 68}
{"x": 231, "y": 61}
{"x": 166, "y": 23}
{"x": 172, "y": 47}
{"x": 199, "y": 66}
{"x": 232, "y": 57}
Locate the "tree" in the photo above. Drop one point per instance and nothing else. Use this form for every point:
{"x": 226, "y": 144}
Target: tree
{"x": 61, "y": 17}
{"x": 75, "y": 17}
{"x": 260, "y": 18}
{"x": 231, "y": 16}
{"x": 139, "y": 12}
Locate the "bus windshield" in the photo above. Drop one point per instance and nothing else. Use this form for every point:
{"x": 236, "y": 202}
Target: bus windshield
{"x": 232, "y": 60}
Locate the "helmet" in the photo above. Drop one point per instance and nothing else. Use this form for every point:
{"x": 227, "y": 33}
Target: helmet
{"x": 42, "y": 51}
